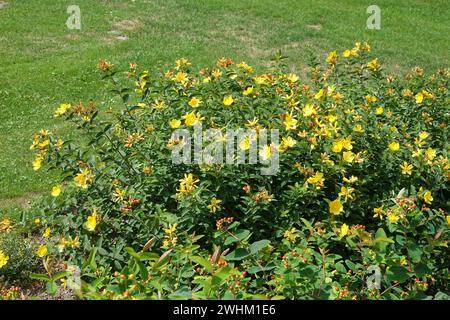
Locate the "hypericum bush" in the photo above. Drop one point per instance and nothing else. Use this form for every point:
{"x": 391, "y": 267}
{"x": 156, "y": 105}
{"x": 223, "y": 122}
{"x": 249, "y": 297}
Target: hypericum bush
{"x": 17, "y": 257}
{"x": 352, "y": 142}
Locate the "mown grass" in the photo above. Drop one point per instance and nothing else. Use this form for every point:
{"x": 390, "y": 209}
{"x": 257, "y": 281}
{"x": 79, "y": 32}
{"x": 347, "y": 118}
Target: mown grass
{"x": 43, "y": 63}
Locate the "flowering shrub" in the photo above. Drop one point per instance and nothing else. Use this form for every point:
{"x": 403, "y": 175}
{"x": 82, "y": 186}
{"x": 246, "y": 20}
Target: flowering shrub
{"x": 362, "y": 184}
{"x": 17, "y": 259}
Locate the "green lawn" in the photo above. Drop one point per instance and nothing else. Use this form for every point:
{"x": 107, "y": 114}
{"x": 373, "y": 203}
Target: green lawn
{"x": 43, "y": 63}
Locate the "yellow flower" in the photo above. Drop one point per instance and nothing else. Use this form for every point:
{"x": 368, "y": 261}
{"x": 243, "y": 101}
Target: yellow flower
{"x": 248, "y": 91}
{"x": 228, "y": 100}
{"x": 42, "y": 251}
{"x": 174, "y": 123}
{"x": 337, "y": 146}
{"x": 291, "y": 234}
{"x": 346, "y": 193}
{"x": 379, "y": 110}
{"x": 319, "y": 94}
{"x": 288, "y": 142}
{"x": 245, "y": 144}
{"x": 358, "y": 128}
{"x": 216, "y": 73}
{"x": 427, "y": 197}
{"x": 73, "y": 242}
{"x": 195, "y": 102}
{"x": 308, "y": 110}
{"x": 448, "y": 219}
{"x": 214, "y": 206}
{"x": 370, "y": 98}
{"x": 252, "y": 123}
{"x": 56, "y": 191}
{"x": 406, "y": 168}
{"x": 344, "y": 230}
{"x": 423, "y": 135}
{"x": 266, "y": 152}
{"x": 3, "y": 259}
{"x": 289, "y": 121}
{"x": 170, "y": 237}
{"x": 243, "y": 65}
{"x": 393, "y": 218}
{"x": 63, "y": 108}
{"x": 373, "y": 65}
{"x": 378, "y": 212}
{"x": 338, "y": 97}
{"x": 417, "y": 153}
{"x": 346, "y": 53}
{"x": 83, "y": 178}
{"x": 192, "y": 119}
{"x": 171, "y": 229}
{"x": 182, "y": 62}
{"x": 59, "y": 143}
{"x": 332, "y": 58}
{"x": 47, "y": 233}
{"x": 158, "y": 105}
{"x": 260, "y": 79}
{"x": 37, "y": 221}
{"x": 37, "y": 162}
{"x": 394, "y": 146}
{"x": 292, "y": 77}
{"x": 430, "y": 154}
{"x": 91, "y": 222}
{"x": 419, "y": 97}
{"x": 187, "y": 185}
{"x": 317, "y": 178}
{"x": 350, "y": 180}
{"x": 336, "y": 207}
{"x": 181, "y": 77}
{"x": 347, "y": 143}
{"x": 5, "y": 225}
{"x": 348, "y": 156}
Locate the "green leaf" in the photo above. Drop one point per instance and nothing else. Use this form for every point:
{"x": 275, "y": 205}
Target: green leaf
{"x": 203, "y": 262}
{"x": 148, "y": 256}
{"x": 256, "y": 269}
{"x": 132, "y": 253}
{"x": 258, "y": 245}
{"x": 382, "y": 240}
{"x": 340, "y": 268}
{"x": 60, "y": 275}
{"x": 421, "y": 270}
{"x": 52, "y": 288}
{"x": 441, "y": 296}
{"x": 380, "y": 233}
{"x": 307, "y": 224}
{"x": 40, "y": 276}
{"x": 398, "y": 273}
{"x": 239, "y": 236}
{"x": 143, "y": 270}
{"x": 238, "y": 254}
{"x": 181, "y": 294}
{"x": 91, "y": 259}
{"x": 351, "y": 265}
{"x": 414, "y": 252}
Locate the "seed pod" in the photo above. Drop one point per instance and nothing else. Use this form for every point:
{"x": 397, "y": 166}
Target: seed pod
{"x": 216, "y": 255}
{"x": 149, "y": 244}
{"x": 164, "y": 255}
